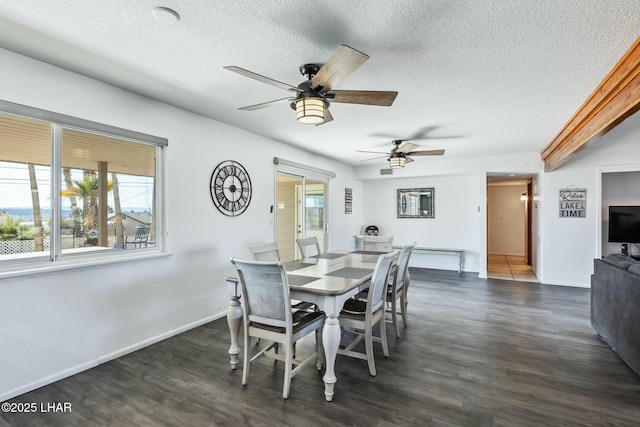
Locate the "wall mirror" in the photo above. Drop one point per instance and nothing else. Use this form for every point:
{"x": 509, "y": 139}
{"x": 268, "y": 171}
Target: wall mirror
{"x": 416, "y": 203}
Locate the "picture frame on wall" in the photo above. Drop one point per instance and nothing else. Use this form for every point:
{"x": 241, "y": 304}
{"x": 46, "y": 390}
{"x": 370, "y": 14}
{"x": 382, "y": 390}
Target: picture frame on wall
{"x": 348, "y": 200}
{"x": 416, "y": 202}
{"x": 573, "y": 202}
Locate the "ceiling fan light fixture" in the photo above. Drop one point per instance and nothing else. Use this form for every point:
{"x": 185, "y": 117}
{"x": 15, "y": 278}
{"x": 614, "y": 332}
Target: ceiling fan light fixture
{"x": 310, "y": 111}
{"x": 397, "y": 162}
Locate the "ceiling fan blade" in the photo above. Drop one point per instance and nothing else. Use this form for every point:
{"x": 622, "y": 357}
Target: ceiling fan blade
{"x": 408, "y": 160}
{"x": 365, "y": 97}
{"x": 423, "y": 134}
{"x": 426, "y": 153}
{"x": 262, "y": 105}
{"x": 407, "y": 147}
{"x": 374, "y": 158}
{"x": 377, "y": 152}
{"x": 420, "y": 134}
{"x": 327, "y": 117}
{"x": 340, "y": 65}
{"x": 261, "y": 78}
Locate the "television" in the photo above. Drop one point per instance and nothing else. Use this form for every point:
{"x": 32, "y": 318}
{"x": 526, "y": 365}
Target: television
{"x": 624, "y": 224}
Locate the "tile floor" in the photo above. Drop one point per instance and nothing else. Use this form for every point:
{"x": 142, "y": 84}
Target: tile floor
{"x": 508, "y": 267}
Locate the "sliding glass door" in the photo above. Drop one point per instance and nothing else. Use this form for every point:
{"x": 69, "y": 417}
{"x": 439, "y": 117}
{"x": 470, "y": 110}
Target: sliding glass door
{"x": 312, "y": 219}
{"x": 300, "y": 212}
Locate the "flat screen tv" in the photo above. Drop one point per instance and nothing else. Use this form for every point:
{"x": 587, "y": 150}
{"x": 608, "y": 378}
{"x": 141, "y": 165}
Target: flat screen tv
{"x": 624, "y": 224}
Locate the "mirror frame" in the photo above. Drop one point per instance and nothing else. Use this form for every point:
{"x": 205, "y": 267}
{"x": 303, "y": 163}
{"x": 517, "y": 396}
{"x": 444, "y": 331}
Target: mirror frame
{"x": 422, "y": 192}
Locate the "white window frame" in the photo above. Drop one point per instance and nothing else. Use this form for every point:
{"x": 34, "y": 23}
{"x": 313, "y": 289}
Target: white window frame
{"x": 55, "y": 262}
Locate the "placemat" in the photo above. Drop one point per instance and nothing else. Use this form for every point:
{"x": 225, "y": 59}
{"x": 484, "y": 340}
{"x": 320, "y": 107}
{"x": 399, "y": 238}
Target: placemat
{"x": 369, "y": 252}
{"x": 330, "y": 256}
{"x": 296, "y": 265}
{"x": 351, "y": 272}
{"x": 296, "y": 280}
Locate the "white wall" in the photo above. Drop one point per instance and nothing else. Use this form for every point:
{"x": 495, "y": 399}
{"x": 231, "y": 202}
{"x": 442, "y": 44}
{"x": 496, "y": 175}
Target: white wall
{"x": 470, "y": 197}
{"x": 563, "y": 248}
{"x": 570, "y": 244}
{"x": 455, "y": 225}
{"x": 54, "y": 325}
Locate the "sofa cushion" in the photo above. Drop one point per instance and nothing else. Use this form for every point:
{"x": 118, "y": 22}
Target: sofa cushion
{"x": 634, "y": 268}
{"x": 621, "y": 261}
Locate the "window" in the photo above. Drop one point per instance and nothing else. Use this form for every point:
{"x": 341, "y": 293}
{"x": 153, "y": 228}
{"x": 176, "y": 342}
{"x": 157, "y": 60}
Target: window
{"x": 74, "y": 188}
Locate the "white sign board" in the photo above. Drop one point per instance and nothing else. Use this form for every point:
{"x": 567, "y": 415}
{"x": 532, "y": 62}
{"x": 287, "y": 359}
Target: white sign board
{"x": 573, "y": 202}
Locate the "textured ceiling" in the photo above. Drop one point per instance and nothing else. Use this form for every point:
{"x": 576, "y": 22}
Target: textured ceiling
{"x": 479, "y": 77}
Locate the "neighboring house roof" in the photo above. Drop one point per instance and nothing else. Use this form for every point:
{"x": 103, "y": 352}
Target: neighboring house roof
{"x": 141, "y": 217}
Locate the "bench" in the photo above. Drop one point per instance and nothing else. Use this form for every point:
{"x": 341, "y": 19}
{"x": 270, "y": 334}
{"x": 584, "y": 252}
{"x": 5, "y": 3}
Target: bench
{"x": 441, "y": 251}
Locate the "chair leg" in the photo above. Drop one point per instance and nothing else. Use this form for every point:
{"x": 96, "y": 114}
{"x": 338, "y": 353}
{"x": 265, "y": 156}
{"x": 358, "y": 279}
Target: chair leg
{"x": 247, "y": 358}
{"x": 288, "y": 360}
{"x": 368, "y": 344}
{"x": 319, "y": 349}
{"x": 383, "y": 337}
{"x": 403, "y": 307}
{"x": 394, "y": 316}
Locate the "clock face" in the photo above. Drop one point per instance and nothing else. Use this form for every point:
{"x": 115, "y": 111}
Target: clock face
{"x": 230, "y": 188}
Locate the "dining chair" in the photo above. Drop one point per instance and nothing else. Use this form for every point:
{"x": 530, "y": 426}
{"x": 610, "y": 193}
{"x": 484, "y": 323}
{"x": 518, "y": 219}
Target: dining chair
{"x": 309, "y": 247}
{"x": 377, "y": 243}
{"x": 270, "y": 252}
{"x": 265, "y": 252}
{"x": 360, "y": 316}
{"x": 398, "y": 286}
{"x": 268, "y": 314}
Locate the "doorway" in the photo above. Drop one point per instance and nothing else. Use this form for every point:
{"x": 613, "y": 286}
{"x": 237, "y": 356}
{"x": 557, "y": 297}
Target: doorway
{"x": 509, "y": 237}
{"x": 300, "y": 212}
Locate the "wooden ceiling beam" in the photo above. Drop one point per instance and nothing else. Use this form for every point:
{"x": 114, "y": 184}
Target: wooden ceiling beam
{"x": 615, "y": 99}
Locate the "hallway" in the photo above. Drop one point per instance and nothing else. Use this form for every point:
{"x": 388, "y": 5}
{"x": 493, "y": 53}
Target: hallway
{"x": 508, "y": 267}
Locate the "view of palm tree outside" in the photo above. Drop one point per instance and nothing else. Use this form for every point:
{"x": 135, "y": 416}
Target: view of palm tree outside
{"x": 20, "y": 221}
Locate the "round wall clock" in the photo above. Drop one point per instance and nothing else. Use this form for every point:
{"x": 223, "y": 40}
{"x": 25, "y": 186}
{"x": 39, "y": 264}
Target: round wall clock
{"x": 230, "y": 188}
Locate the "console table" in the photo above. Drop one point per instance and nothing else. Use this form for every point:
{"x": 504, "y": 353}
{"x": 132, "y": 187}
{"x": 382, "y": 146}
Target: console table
{"x": 441, "y": 251}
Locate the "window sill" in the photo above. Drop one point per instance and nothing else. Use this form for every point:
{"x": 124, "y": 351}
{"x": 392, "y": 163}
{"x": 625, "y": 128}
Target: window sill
{"x": 77, "y": 262}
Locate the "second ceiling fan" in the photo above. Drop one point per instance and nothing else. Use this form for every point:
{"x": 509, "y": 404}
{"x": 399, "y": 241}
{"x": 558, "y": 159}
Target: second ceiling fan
{"x": 311, "y": 98}
{"x": 402, "y": 152}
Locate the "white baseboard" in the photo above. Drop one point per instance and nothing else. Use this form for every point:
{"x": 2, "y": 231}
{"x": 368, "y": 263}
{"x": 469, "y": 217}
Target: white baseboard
{"x": 48, "y": 380}
{"x": 145, "y": 343}
{"x": 104, "y": 358}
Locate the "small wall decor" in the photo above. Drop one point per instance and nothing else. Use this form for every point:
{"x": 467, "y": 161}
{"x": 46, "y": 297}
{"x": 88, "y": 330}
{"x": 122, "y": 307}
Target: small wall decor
{"x": 416, "y": 202}
{"x": 348, "y": 200}
{"x": 573, "y": 202}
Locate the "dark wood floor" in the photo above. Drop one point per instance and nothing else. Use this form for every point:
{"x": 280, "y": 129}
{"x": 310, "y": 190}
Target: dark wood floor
{"x": 476, "y": 353}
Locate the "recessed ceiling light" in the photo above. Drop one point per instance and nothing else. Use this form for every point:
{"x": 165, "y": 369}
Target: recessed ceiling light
{"x": 165, "y": 15}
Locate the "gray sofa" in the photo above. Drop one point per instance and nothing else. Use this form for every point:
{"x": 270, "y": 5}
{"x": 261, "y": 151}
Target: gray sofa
{"x": 615, "y": 306}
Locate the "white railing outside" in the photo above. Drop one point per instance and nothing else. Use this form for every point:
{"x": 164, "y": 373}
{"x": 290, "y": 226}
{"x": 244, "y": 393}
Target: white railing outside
{"x": 8, "y": 247}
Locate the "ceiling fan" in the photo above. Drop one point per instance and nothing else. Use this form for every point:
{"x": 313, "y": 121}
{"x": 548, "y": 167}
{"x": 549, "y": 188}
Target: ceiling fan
{"x": 311, "y": 98}
{"x": 402, "y": 152}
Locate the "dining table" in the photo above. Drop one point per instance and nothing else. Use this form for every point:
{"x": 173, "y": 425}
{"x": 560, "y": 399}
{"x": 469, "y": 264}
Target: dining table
{"x": 327, "y": 280}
